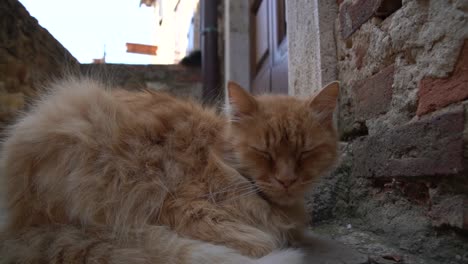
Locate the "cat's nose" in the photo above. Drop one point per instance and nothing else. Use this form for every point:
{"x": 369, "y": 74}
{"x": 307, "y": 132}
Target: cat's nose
{"x": 286, "y": 182}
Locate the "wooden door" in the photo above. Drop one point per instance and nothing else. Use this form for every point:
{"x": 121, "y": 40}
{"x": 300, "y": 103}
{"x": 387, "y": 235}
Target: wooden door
{"x": 269, "y": 47}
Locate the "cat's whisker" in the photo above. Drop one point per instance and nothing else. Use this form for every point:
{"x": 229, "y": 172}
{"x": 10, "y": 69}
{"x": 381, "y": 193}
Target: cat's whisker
{"x": 243, "y": 195}
{"x": 234, "y": 183}
{"x": 245, "y": 189}
{"x": 250, "y": 188}
{"x": 229, "y": 188}
{"x": 267, "y": 186}
{"x": 211, "y": 196}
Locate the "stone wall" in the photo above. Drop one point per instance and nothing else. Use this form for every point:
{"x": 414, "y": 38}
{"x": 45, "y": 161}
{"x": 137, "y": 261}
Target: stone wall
{"x": 29, "y": 56}
{"x": 176, "y": 79}
{"x": 403, "y": 119}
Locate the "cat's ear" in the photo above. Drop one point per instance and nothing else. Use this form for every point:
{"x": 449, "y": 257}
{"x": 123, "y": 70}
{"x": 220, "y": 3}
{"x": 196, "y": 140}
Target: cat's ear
{"x": 240, "y": 101}
{"x": 324, "y": 102}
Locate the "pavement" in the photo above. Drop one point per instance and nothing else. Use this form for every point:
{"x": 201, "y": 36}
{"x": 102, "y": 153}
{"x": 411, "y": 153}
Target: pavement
{"x": 349, "y": 245}
{"x": 326, "y": 251}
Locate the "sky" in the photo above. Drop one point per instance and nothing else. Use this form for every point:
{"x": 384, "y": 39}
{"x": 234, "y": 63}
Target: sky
{"x": 84, "y": 27}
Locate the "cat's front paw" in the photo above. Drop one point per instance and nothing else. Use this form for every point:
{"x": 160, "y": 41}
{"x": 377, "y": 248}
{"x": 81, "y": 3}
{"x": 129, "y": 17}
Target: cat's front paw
{"x": 287, "y": 256}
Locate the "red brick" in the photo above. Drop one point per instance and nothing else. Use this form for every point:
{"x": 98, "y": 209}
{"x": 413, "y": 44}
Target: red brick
{"x": 437, "y": 93}
{"x": 354, "y": 14}
{"x": 372, "y": 96}
{"x": 428, "y": 148}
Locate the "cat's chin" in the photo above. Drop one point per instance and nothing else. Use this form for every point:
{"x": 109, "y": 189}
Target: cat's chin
{"x": 285, "y": 200}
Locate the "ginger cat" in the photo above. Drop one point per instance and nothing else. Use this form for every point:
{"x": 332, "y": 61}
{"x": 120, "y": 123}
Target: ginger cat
{"x": 97, "y": 175}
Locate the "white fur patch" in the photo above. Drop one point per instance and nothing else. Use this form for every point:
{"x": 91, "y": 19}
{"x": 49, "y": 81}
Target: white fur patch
{"x": 211, "y": 254}
{"x": 288, "y": 256}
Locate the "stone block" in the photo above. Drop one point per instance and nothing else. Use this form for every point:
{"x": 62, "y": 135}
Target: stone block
{"x": 430, "y": 147}
{"x": 373, "y": 96}
{"x": 451, "y": 211}
{"x": 355, "y": 13}
{"x": 435, "y": 93}
{"x": 366, "y": 99}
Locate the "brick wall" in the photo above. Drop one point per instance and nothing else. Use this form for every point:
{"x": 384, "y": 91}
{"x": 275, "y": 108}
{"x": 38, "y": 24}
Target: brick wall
{"x": 403, "y": 67}
{"x": 29, "y": 55}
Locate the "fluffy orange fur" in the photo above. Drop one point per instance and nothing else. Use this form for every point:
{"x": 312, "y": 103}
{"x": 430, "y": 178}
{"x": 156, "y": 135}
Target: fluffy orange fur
{"x": 95, "y": 174}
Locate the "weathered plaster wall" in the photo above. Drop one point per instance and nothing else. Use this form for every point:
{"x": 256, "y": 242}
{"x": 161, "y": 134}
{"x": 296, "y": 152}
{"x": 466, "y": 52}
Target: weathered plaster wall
{"x": 237, "y": 42}
{"x": 403, "y": 67}
{"x": 311, "y": 43}
{"x": 29, "y": 55}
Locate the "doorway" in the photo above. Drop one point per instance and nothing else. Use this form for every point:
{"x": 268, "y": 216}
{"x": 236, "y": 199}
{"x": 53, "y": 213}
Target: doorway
{"x": 269, "y": 47}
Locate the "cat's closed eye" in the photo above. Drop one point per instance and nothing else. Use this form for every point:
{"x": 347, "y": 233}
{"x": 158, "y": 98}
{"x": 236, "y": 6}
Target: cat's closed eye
{"x": 262, "y": 152}
{"x": 309, "y": 152}
{"x": 306, "y": 154}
